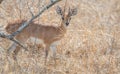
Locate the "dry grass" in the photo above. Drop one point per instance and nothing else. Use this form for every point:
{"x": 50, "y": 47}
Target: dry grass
{"x": 91, "y": 45}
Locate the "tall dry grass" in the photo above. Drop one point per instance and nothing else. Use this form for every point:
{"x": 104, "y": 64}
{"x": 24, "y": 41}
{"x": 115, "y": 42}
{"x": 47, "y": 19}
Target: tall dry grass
{"x": 91, "y": 45}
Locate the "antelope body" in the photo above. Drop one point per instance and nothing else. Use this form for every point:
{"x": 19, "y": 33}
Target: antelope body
{"x": 49, "y": 34}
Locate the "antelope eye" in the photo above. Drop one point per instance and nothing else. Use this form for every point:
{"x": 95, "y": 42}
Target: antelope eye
{"x": 62, "y": 18}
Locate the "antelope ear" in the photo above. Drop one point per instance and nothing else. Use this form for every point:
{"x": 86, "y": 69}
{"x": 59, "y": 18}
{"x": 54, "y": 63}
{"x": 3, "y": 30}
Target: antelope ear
{"x": 59, "y": 10}
{"x": 72, "y": 12}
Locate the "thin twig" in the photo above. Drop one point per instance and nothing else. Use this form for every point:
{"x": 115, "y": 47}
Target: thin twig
{"x": 30, "y": 9}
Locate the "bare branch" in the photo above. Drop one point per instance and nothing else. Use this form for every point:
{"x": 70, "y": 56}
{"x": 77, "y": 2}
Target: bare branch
{"x": 12, "y": 39}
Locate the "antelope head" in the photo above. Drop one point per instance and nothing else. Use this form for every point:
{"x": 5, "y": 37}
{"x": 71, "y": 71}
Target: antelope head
{"x": 66, "y": 17}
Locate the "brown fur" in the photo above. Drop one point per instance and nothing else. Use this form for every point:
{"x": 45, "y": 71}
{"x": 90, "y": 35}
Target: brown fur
{"x": 48, "y": 34}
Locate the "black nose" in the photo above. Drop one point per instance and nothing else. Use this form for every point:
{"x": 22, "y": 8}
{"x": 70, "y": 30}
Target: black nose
{"x": 67, "y": 24}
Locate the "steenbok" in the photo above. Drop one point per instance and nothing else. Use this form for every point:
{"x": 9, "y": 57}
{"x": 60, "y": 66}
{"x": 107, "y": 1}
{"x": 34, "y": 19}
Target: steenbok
{"x": 48, "y": 34}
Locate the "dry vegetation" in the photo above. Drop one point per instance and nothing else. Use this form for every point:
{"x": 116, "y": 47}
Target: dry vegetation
{"x": 91, "y": 45}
